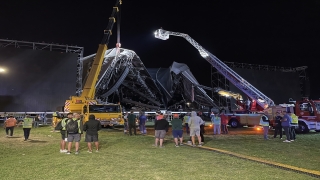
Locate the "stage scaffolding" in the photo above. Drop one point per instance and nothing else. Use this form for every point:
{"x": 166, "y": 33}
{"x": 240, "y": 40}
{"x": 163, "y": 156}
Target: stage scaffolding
{"x": 51, "y": 47}
{"x": 217, "y": 80}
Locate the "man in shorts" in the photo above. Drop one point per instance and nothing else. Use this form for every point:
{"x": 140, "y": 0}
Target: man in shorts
{"x": 64, "y": 132}
{"x": 177, "y": 131}
{"x": 194, "y": 124}
{"x": 161, "y": 127}
{"x": 91, "y": 128}
{"x": 74, "y": 135}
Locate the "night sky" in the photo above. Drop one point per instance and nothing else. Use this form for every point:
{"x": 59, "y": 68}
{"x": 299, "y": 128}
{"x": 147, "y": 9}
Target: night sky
{"x": 270, "y": 32}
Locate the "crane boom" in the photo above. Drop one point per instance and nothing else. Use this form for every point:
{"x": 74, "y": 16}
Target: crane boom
{"x": 89, "y": 86}
{"x": 252, "y": 92}
{"x": 87, "y": 97}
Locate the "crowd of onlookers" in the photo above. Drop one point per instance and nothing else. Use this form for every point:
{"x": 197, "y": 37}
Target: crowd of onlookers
{"x": 72, "y": 128}
{"x": 191, "y": 122}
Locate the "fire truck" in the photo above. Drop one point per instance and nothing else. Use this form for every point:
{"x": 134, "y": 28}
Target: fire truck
{"x": 308, "y": 114}
{"x": 250, "y": 113}
{"x": 258, "y": 101}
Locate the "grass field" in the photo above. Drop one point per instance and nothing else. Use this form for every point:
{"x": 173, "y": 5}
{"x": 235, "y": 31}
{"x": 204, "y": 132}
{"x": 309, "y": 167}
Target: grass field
{"x": 304, "y": 152}
{"x": 124, "y": 157}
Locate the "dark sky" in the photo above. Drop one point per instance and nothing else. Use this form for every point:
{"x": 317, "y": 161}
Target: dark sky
{"x": 272, "y": 32}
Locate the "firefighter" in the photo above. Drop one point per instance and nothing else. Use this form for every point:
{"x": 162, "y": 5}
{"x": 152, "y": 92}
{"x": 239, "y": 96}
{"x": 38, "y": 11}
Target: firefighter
{"x": 294, "y": 125}
{"x": 264, "y": 122}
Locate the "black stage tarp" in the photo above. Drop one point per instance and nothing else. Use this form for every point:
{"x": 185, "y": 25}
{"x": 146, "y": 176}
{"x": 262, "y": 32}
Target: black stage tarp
{"x": 36, "y": 80}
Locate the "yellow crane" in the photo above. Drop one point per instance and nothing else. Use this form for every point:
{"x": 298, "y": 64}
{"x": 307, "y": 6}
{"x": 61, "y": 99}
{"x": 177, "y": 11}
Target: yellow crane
{"x": 108, "y": 114}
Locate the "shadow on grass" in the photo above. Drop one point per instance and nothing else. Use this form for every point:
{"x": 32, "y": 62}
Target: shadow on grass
{"x": 36, "y": 141}
{"x": 13, "y": 137}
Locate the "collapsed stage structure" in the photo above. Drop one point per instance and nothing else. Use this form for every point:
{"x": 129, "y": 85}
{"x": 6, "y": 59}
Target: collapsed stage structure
{"x": 125, "y": 79}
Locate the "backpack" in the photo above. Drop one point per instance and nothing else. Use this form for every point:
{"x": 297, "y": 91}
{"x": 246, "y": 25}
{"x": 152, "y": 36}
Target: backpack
{"x": 58, "y": 126}
{"x": 72, "y": 126}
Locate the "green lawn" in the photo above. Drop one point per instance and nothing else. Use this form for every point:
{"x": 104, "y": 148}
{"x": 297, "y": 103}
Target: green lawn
{"x": 123, "y": 157}
{"x": 303, "y": 153}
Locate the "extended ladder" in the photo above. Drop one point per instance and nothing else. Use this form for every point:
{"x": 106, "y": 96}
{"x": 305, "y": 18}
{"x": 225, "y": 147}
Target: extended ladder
{"x": 227, "y": 72}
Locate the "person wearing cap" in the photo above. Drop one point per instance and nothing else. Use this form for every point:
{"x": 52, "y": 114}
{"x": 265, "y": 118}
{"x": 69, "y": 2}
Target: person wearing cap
{"x": 160, "y": 116}
{"x": 285, "y": 123}
{"x": 161, "y": 127}
{"x": 91, "y": 128}
{"x": 9, "y": 124}
{"x": 63, "y": 132}
{"x": 177, "y": 131}
{"x": 264, "y": 122}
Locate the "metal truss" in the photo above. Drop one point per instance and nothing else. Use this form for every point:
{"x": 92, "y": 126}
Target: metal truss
{"x": 51, "y": 47}
{"x": 217, "y": 80}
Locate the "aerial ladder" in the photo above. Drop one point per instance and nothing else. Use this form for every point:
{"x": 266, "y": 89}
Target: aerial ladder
{"x": 256, "y": 96}
{"x": 80, "y": 104}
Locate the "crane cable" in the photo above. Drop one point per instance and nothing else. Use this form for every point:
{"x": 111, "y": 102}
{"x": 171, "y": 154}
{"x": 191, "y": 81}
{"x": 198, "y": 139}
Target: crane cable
{"x": 118, "y": 45}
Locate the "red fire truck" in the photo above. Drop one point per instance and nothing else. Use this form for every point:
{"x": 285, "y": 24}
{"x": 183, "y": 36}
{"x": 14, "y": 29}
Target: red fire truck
{"x": 308, "y": 113}
{"x": 306, "y": 110}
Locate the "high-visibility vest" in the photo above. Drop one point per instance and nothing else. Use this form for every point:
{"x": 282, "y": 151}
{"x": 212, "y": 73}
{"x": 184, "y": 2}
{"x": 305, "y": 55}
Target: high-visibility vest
{"x": 64, "y": 123}
{"x": 27, "y": 123}
{"x": 262, "y": 123}
{"x": 294, "y": 121}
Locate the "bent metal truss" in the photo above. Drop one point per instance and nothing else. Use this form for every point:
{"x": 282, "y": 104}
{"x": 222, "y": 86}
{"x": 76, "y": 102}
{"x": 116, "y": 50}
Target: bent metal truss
{"x": 124, "y": 78}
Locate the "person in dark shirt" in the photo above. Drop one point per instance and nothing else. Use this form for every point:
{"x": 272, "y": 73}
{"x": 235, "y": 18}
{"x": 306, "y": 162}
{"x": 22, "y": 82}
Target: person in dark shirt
{"x": 161, "y": 128}
{"x": 91, "y": 128}
{"x": 278, "y": 127}
{"x": 177, "y": 131}
{"x": 132, "y": 123}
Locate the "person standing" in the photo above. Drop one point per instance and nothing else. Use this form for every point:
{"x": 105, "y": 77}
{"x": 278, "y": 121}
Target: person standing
{"x": 285, "y": 123}
{"x": 91, "y": 128}
{"x": 125, "y": 124}
{"x": 293, "y": 126}
{"x": 264, "y": 122}
{"x": 202, "y": 130}
{"x": 278, "y": 127}
{"x": 36, "y": 121}
{"x": 132, "y": 123}
{"x": 142, "y": 123}
{"x": 161, "y": 127}
{"x": 224, "y": 123}
{"x": 9, "y": 124}
{"x": 63, "y": 132}
{"x": 74, "y": 130}
{"x": 194, "y": 124}
{"x": 185, "y": 121}
{"x": 216, "y": 121}
{"x": 177, "y": 131}
{"x": 27, "y": 125}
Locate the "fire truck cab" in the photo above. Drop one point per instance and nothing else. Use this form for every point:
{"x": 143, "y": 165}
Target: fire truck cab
{"x": 309, "y": 115}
